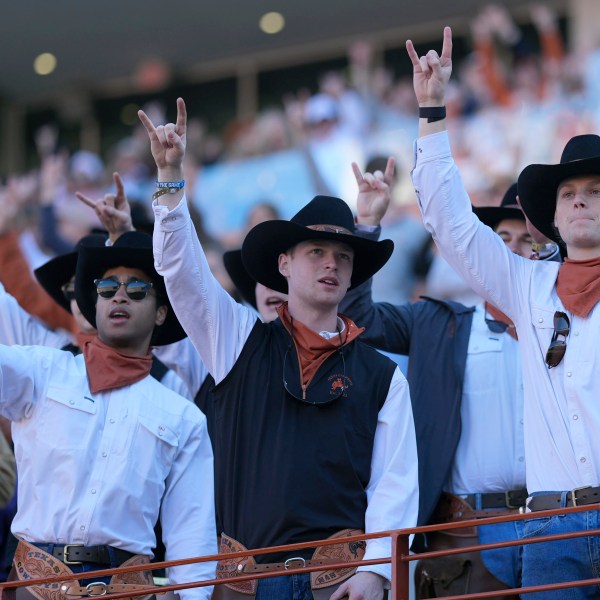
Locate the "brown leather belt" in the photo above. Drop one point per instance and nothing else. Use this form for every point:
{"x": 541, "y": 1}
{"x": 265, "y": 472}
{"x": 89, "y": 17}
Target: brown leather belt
{"x": 77, "y": 554}
{"x": 576, "y": 497}
{"x": 511, "y": 499}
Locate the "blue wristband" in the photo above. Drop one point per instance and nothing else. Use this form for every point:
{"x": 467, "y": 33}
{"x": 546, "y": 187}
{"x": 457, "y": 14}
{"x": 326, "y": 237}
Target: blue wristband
{"x": 171, "y": 184}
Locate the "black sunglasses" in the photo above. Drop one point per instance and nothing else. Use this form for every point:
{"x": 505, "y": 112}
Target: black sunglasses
{"x": 336, "y": 392}
{"x": 135, "y": 289}
{"x": 557, "y": 348}
{"x": 494, "y": 325}
{"x": 68, "y": 290}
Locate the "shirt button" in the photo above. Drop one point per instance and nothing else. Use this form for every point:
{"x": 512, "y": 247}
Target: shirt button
{"x": 82, "y": 528}
{"x": 582, "y": 459}
{"x": 71, "y": 402}
{"x": 575, "y": 417}
{"x": 569, "y": 374}
{"x": 576, "y": 333}
{"x": 104, "y": 455}
{"x": 521, "y": 458}
{"x": 521, "y": 421}
{"x": 93, "y": 491}
{"x": 540, "y": 320}
{"x": 112, "y": 420}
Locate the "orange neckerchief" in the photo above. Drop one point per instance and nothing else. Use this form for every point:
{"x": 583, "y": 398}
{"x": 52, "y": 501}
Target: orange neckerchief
{"x": 108, "y": 369}
{"x": 498, "y": 315}
{"x": 578, "y": 285}
{"x": 313, "y": 349}
{"x": 81, "y": 338}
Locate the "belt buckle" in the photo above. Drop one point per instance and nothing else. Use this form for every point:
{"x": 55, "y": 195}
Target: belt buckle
{"x": 96, "y": 588}
{"x": 573, "y": 493}
{"x": 508, "y": 502}
{"x": 288, "y": 563}
{"x": 66, "y": 554}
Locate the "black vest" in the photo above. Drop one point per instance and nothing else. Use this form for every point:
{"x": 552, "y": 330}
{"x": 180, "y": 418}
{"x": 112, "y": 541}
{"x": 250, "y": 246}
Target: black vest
{"x": 285, "y": 471}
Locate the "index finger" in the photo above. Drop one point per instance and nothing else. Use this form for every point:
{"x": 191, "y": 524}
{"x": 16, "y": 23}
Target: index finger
{"x": 181, "y": 124}
{"x": 412, "y": 53}
{"x": 447, "y": 45}
{"x": 389, "y": 169}
{"x": 91, "y": 203}
{"x": 357, "y": 173}
{"x": 147, "y": 123}
{"x": 120, "y": 188}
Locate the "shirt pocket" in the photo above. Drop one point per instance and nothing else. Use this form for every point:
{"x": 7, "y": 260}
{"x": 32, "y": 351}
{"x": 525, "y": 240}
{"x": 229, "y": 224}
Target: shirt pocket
{"x": 542, "y": 321}
{"x": 156, "y": 447}
{"x": 67, "y": 419}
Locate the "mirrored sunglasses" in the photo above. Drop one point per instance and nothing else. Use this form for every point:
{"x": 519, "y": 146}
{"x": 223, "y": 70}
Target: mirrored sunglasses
{"x": 558, "y": 347}
{"x": 135, "y": 289}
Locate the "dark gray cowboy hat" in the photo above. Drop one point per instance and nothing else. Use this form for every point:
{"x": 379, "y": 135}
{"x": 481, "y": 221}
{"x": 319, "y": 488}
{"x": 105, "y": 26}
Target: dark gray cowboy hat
{"x": 323, "y": 218}
{"x": 132, "y": 249}
{"x": 246, "y": 286}
{"x": 59, "y": 270}
{"x": 538, "y": 184}
{"x": 508, "y": 209}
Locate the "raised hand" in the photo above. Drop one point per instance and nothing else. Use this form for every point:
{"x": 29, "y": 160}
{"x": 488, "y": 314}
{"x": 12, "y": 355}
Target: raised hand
{"x": 431, "y": 72}
{"x": 167, "y": 143}
{"x": 374, "y": 193}
{"x": 113, "y": 210}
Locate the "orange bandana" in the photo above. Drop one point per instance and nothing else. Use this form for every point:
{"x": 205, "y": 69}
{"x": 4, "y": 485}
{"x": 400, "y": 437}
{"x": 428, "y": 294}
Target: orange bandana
{"x": 81, "y": 338}
{"x": 578, "y": 285}
{"x": 108, "y": 369}
{"x": 313, "y": 349}
{"x": 498, "y": 315}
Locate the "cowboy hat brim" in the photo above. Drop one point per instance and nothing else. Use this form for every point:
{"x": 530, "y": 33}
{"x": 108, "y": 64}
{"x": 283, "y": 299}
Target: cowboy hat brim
{"x": 53, "y": 274}
{"x": 93, "y": 262}
{"x": 538, "y": 186}
{"x": 266, "y": 241}
{"x": 493, "y": 215}
{"x": 246, "y": 286}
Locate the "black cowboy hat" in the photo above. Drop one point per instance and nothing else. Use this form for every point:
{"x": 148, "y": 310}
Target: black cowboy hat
{"x": 323, "y": 218}
{"x": 508, "y": 209}
{"x": 538, "y": 184}
{"x": 132, "y": 249}
{"x": 59, "y": 270}
{"x": 246, "y": 286}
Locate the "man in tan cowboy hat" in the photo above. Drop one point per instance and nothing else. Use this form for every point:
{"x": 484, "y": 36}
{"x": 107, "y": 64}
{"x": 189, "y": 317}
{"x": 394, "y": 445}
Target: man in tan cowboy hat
{"x": 103, "y": 449}
{"x": 554, "y": 307}
{"x": 313, "y": 430}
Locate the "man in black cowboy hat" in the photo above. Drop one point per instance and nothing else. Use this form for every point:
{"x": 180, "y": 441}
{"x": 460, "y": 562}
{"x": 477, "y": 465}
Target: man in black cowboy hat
{"x": 102, "y": 448}
{"x": 468, "y": 419}
{"x": 314, "y": 429}
{"x": 554, "y": 307}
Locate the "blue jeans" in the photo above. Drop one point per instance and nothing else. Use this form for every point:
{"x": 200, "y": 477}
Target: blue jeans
{"x": 287, "y": 587}
{"x": 565, "y": 560}
{"x": 502, "y": 563}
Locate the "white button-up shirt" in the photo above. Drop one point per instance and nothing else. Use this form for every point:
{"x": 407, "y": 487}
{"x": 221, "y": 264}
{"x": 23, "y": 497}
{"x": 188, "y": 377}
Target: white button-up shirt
{"x": 490, "y": 456}
{"x": 219, "y": 327}
{"x": 95, "y": 468}
{"x": 17, "y": 326}
{"x": 562, "y": 407}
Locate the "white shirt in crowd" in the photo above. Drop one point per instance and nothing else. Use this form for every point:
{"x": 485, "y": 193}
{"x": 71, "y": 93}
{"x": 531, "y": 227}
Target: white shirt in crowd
{"x": 562, "y": 412}
{"x": 219, "y": 327}
{"x": 490, "y": 456}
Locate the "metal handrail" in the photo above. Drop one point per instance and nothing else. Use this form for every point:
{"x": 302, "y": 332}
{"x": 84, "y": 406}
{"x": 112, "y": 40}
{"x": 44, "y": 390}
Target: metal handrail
{"x": 400, "y": 559}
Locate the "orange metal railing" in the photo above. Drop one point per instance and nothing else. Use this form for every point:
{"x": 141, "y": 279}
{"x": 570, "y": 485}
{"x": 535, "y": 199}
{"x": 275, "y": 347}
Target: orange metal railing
{"x": 400, "y": 559}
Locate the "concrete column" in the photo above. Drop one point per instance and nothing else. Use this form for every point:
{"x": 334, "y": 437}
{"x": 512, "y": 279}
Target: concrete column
{"x": 12, "y": 140}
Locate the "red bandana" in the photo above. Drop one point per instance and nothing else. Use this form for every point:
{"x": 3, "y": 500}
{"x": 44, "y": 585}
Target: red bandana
{"x": 313, "y": 349}
{"x": 498, "y": 315}
{"x": 578, "y": 285}
{"x": 108, "y": 369}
